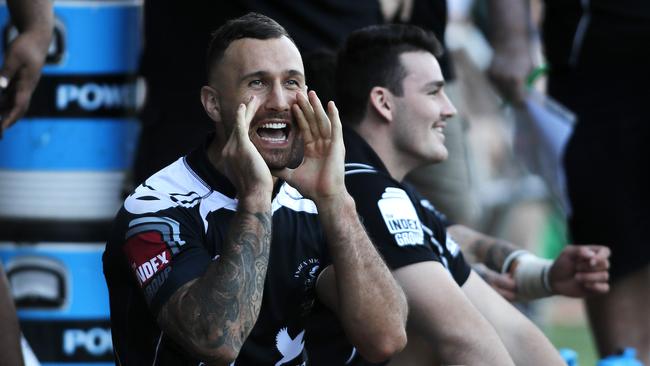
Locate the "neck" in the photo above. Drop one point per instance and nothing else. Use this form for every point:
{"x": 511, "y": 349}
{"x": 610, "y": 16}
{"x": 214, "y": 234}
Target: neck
{"x": 378, "y": 136}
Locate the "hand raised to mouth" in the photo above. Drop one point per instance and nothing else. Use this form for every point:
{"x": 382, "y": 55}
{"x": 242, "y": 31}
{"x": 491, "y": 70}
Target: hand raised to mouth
{"x": 321, "y": 174}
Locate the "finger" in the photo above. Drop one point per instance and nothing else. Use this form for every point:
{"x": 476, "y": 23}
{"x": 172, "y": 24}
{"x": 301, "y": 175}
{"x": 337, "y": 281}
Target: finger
{"x": 310, "y": 116}
{"x": 299, "y": 116}
{"x": 251, "y": 109}
{"x": 337, "y": 128}
{"x": 8, "y": 69}
{"x": 322, "y": 120}
{"x": 586, "y": 277}
{"x": 18, "y": 109}
{"x": 597, "y": 288}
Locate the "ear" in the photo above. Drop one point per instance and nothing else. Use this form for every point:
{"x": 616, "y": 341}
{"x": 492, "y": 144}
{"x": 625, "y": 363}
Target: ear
{"x": 210, "y": 101}
{"x": 381, "y": 102}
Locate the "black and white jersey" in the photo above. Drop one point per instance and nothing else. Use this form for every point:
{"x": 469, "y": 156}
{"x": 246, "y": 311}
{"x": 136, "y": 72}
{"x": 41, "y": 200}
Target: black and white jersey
{"x": 404, "y": 227}
{"x": 166, "y": 234}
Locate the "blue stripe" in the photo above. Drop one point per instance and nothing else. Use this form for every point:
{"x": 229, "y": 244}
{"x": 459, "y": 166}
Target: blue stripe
{"x": 98, "y": 39}
{"x": 99, "y": 144}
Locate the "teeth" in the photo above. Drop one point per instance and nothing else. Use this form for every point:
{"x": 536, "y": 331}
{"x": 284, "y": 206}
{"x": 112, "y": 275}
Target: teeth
{"x": 275, "y": 126}
{"x": 273, "y": 139}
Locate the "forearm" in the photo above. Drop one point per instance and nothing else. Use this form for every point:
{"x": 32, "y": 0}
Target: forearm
{"x": 480, "y": 248}
{"x": 509, "y": 23}
{"x": 367, "y": 292}
{"x": 213, "y": 316}
{"x": 10, "y": 335}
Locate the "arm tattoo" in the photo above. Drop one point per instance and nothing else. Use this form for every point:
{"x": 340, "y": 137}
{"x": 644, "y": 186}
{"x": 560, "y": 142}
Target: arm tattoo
{"x": 219, "y": 309}
{"x": 495, "y": 252}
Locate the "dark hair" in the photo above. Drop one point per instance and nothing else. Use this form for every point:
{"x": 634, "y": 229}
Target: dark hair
{"x": 370, "y": 57}
{"x": 251, "y": 25}
{"x": 320, "y": 72}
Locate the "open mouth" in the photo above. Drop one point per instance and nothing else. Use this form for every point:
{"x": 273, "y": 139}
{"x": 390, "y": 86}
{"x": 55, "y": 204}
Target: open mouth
{"x": 274, "y": 132}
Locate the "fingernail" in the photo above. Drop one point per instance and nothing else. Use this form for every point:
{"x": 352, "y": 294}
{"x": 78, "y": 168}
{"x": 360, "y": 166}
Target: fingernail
{"x": 4, "y": 82}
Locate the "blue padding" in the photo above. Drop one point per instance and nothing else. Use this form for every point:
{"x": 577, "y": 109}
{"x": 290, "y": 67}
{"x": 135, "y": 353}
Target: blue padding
{"x": 100, "y": 37}
{"x": 99, "y": 144}
{"x": 88, "y": 295}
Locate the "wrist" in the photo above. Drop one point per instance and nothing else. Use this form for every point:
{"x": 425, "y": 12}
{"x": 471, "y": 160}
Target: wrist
{"x": 335, "y": 203}
{"x": 256, "y": 201}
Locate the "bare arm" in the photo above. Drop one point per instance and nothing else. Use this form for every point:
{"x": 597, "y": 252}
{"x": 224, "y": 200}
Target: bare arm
{"x": 369, "y": 303}
{"x": 25, "y": 56}
{"x": 213, "y": 315}
{"x": 10, "y": 335}
{"x": 360, "y": 288}
{"x": 577, "y": 272}
{"x": 509, "y": 37}
{"x": 440, "y": 314}
{"x": 481, "y": 248}
{"x": 525, "y": 342}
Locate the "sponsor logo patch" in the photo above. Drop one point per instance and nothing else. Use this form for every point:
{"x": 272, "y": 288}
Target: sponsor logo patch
{"x": 400, "y": 217}
{"x": 148, "y": 255}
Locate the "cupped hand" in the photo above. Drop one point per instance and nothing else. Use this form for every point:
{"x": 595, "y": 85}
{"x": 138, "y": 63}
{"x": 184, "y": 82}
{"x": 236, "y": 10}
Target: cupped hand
{"x": 321, "y": 174}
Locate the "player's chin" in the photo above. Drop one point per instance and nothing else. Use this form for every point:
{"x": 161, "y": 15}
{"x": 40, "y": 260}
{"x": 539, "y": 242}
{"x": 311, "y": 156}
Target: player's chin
{"x": 279, "y": 159}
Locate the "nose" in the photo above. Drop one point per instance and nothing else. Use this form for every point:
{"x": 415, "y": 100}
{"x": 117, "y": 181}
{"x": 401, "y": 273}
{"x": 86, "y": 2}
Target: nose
{"x": 278, "y": 98}
{"x": 448, "y": 109}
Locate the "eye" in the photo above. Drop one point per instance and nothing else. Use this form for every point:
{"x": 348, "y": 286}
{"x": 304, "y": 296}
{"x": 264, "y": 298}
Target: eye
{"x": 293, "y": 83}
{"x": 434, "y": 92}
{"x": 256, "y": 83}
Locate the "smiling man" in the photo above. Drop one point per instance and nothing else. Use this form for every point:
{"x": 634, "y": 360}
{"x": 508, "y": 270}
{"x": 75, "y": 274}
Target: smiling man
{"x": 218, "y": 258}
{"x": 391, "y": 92}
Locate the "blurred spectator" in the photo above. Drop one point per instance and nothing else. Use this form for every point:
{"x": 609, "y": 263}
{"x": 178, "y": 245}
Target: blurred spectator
{"x": 599, "y": 69}
{"x": 24, "y": 57}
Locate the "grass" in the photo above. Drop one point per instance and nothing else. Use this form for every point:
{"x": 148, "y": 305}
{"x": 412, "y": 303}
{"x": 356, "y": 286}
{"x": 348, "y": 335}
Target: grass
{"x": 576, "y": 337}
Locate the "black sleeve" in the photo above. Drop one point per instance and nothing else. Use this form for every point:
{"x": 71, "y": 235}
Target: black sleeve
{"x": 391, "y": 219}
{"x": 164, "y": 250}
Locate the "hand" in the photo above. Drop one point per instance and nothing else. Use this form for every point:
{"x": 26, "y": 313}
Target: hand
{"x": 20, "y": 74}
{"x": 240, "y": 160}
{"x": 503, "y": 284}
{"x": 509, "y": 69}
{"x": 321, "y": 174}
{"x": 580, "y": 270}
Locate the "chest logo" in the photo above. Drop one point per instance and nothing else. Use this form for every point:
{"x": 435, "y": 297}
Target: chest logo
{"x": 400, "y": 217}
{"x": 288, "y": 347}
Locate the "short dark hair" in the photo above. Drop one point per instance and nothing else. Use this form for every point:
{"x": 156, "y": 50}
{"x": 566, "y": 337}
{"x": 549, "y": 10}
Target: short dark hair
{"x": 251, "y": 25}
{"x": 370, "y": 57}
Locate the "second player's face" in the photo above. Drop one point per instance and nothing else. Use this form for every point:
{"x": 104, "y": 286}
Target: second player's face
{"x": 421, "y": 112}
{"x": 272, "y": 71}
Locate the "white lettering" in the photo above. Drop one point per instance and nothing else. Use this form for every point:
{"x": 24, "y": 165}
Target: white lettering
{"x": 95, "y": 341}
{"x": 92, "y": 96}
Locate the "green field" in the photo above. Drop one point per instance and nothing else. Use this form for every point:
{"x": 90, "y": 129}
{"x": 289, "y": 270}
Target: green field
{"x": 577, "y": 338}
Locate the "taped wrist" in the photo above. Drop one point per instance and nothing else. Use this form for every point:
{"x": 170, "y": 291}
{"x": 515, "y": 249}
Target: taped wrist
{"x": 532, "y": 277}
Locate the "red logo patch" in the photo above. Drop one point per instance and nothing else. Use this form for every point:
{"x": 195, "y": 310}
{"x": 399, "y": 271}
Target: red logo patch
{"x": 147, "y": 254}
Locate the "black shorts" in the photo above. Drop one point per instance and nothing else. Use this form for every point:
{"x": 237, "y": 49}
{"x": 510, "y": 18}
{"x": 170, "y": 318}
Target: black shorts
{"x": 607, "y": 164}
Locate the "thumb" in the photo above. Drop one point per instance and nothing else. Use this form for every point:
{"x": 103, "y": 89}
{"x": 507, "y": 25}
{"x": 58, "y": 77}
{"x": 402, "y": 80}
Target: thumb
{"x": 8, "y": 70}
{"x": 284, "y": 174}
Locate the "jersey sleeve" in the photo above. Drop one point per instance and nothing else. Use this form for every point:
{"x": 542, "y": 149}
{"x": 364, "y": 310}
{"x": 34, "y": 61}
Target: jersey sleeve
{"x": 164, "y": 250}
{"x": 390, "y": 219}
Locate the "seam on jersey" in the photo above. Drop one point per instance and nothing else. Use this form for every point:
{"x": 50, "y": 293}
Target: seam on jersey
{"x": 358, "y": 165}
{"x": 581, "y": 31}
{"x": 352, "y": 355}
{"x": 197, "y": 177}
{"x": 155, "y": 356}
{"x": 359, "y": 171}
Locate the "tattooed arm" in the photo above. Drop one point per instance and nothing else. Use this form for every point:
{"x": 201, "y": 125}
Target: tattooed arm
{"x": 578, "y": 271}
{"x": 212, "y": 315}
{"x": 480, "y": 248}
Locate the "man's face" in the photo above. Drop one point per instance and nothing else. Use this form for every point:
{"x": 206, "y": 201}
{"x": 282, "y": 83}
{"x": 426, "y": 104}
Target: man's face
{"x": 272, "y": 71}
{"x": 420, "y": 113}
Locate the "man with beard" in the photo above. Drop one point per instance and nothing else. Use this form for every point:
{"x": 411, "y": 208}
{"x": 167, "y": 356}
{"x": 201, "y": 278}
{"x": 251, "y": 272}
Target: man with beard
{"x": 189, "y": 266}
